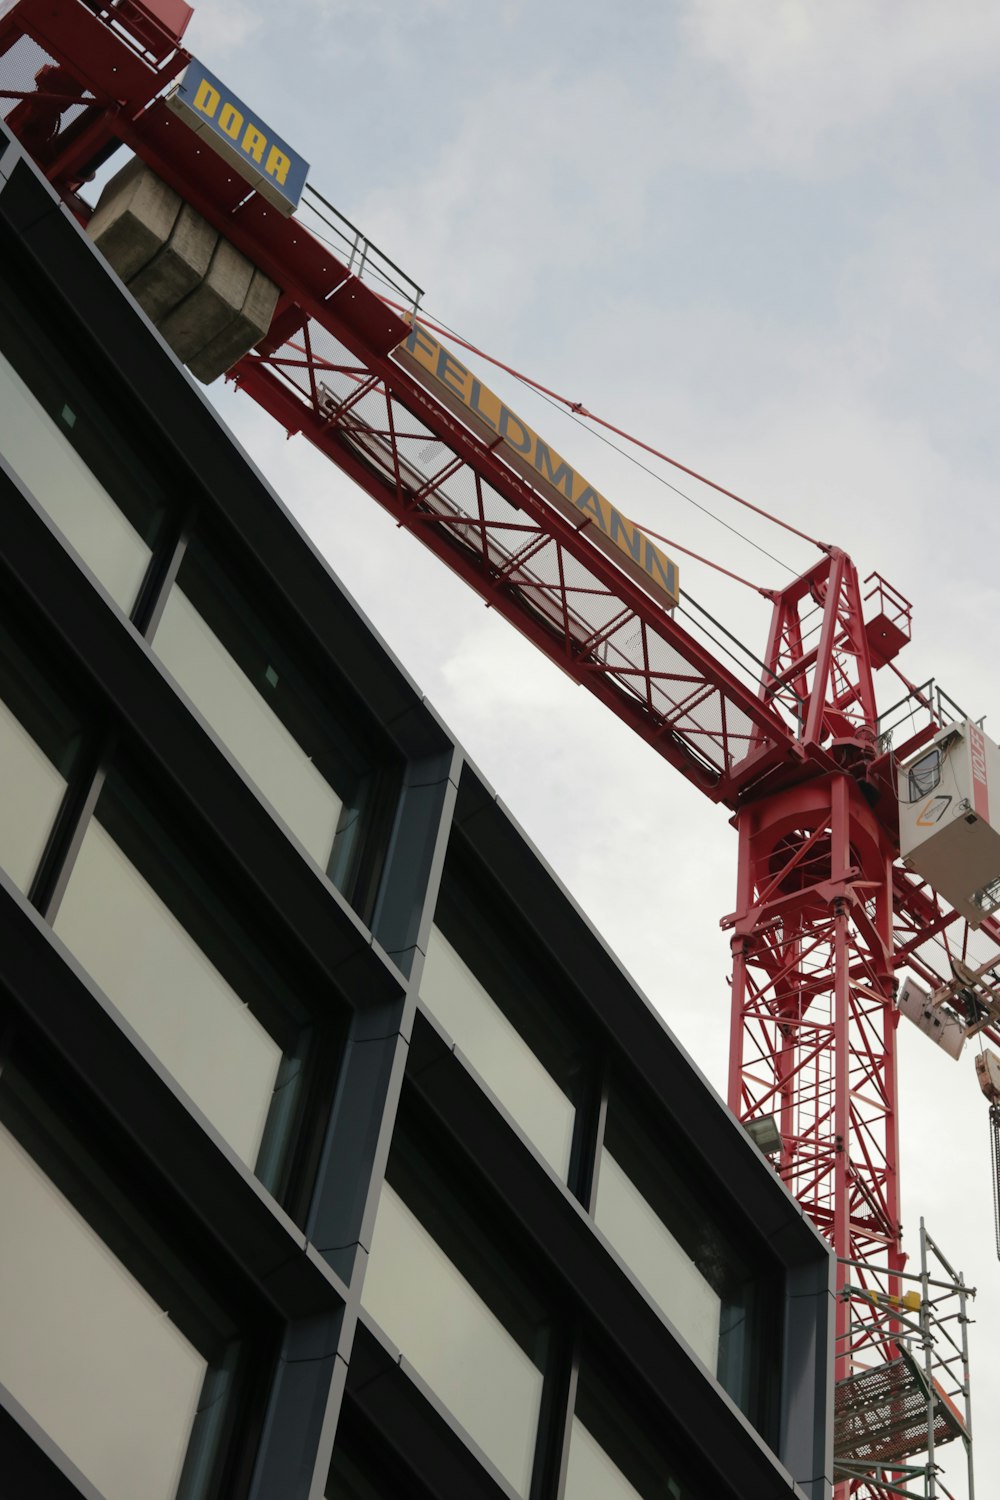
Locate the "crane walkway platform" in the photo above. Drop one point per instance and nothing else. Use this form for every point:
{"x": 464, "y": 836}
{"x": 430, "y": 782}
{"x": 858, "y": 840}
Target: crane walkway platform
{"x": 881, "y": 1417}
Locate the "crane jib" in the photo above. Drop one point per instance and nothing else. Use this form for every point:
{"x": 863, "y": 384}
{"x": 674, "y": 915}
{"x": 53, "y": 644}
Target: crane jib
{"x": 546, "y": 470}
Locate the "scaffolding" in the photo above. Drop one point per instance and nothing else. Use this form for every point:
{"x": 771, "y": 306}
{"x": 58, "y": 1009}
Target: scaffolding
{"x": 893, "y": 1414}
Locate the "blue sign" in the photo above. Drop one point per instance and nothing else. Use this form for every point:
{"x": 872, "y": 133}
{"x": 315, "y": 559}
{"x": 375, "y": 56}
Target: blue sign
{"x": 263, "y": 158}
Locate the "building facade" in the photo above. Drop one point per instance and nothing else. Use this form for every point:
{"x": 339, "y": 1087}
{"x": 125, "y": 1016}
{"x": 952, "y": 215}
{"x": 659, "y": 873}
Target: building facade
{"x": 338, "y": 1155}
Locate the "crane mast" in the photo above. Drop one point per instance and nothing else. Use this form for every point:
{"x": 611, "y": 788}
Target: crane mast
{"x": 813, "y": 1031}
{"x": 826, "y": 915}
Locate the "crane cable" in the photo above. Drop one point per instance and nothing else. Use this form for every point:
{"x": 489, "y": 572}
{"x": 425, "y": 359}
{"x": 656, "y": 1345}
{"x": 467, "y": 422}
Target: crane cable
{"x": 995, "y": 1157}
{"x": 646, "y": 530}
{"x": 668, "y": 541}
{"x": 578, "y": 409}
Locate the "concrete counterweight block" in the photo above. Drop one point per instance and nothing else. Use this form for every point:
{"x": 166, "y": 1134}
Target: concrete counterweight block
{"x": 177, "y": 269}
{"x": 246, "y": 329}
{"x": 212, "y": 305}
{"x": 209, "y": 302}
{"x": 133, "y": 219}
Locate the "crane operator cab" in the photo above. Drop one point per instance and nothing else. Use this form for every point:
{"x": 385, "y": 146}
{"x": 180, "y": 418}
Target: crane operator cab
{"x": 949, "y": 834}
{"x": 949, "y": 819}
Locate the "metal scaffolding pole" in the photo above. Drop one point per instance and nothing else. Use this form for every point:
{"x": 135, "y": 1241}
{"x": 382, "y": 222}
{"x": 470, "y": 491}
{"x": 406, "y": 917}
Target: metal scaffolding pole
{"x": 893, "y": 1416}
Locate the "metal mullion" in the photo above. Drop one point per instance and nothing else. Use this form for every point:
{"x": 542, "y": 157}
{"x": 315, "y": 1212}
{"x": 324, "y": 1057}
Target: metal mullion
{"x": 8, "y": 1031}
{"x": 49, "y": 885}
{"x": 162, "y": 576}
{"x": 556, "y": 1419}
{"x": 588, "y": 1138}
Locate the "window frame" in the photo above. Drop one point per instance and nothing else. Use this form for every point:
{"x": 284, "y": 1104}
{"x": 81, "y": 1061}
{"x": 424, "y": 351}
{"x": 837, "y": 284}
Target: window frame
{"x": 469, "y": 1225}
{"x": 292, "y": 1144}
{"x": 474, "y": 914}
{"x": 146, "y": 1228}
{"x": 920, "y": 782}
{"x": 226, "y": 554}
{"x": 648, "y": 1121}
{"x": 39, "y": 352}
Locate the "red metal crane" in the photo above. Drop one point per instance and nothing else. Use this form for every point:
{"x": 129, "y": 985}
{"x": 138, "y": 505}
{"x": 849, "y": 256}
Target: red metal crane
{"x": 826, "y": 913}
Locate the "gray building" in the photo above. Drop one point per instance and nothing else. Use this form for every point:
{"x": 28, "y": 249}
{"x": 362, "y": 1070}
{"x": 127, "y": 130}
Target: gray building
{"x": 338, "y": 1155}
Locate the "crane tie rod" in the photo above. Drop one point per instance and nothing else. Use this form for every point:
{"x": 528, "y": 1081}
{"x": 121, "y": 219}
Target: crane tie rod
{"x": 766, "y": 593}
{"x": 995, "y": 1155}
{"x": 580, "y": 410}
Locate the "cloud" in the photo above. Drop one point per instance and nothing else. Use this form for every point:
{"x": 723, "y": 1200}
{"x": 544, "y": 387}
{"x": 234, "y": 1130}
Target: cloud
{"x": 536, "y": 178}
{"x": 221, "y": 27}
{"x": 397, "y": 13}
{"x": 800, "y": 72}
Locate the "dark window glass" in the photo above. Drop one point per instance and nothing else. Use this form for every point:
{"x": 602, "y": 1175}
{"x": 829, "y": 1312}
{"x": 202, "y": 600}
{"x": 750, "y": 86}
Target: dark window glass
{"x": 361, "y": 1472}
{"x": 441, "y": 1289}
{"x": 306, "y": 752}
{"x": 38, "y": 740}
{"x": 679, "y": 1244}
{"x": 490, "y": 986}
{"x": 614, "y": 1457}
{"x": 157, "y": 935}
{"x": 924, "y": 775}
{"x": 105, "y": 1337}
{"x": 348, "y": 1481}
{"x": 66, "y": 449}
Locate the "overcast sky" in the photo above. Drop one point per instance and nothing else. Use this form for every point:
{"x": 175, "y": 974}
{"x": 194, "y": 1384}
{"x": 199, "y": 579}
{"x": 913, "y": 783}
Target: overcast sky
{"x": 763, "y": 236}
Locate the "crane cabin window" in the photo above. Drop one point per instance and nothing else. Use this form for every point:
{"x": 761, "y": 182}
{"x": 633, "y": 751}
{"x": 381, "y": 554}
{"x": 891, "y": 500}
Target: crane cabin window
{"x": 924, "y": 775}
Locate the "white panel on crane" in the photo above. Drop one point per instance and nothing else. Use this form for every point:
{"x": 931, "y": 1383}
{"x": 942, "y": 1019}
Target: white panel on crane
{"x": 949, "y": 819}
{"x": 935, "y": 1021}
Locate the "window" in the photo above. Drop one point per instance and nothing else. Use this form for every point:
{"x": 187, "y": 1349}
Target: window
{"x": 672, "y": 1239}
{"x": 924, "y": 775}
{"x": 364, "y": 1470}
{"x": 118, "y": 1353}
{"x": 320, "y": 778}
{"x": 484, "y": 981}
{"x": 38, "y": 738}
{"x": 498, "y": 1052}
{"x": 348, "y": 1480}
{"x": 611, "y": 1456}
{"x": 187, "y": 975}
{"x": 438, "y": 1287}
{"x": 78, "y": 467}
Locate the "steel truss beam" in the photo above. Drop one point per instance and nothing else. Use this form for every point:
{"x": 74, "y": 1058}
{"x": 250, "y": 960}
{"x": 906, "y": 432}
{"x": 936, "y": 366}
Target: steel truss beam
{"x": 812, "y": 1039}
